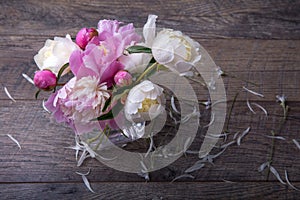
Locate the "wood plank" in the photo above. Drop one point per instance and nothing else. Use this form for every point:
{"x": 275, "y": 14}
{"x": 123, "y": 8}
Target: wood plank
{"x": 209, "y": 19}
{"x": 44, "y": 158}
{"x": 154, "y": 191}
{"x": 273, "y": 64}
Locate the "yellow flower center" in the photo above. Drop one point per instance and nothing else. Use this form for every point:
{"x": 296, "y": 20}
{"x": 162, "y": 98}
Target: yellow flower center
{"x": 146, "y": 105}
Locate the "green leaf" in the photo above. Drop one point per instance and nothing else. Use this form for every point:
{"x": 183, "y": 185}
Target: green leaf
{"x": 107, "y": 103}
{"x": 62, "y": 69}
{"x": 138, "y": 49}
{"x": 37, "y": 94}
{"x": 112, "y": 113}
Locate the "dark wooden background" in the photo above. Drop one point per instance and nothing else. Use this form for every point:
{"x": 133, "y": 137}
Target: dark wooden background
{"x": 254, "y": 40}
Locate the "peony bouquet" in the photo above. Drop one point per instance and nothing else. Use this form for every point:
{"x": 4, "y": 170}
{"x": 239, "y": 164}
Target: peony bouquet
{"x": 116, "y": 84}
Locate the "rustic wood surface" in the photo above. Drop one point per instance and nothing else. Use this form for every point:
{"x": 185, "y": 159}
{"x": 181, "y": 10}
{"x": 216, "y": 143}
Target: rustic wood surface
{"x": 255, "y": 40}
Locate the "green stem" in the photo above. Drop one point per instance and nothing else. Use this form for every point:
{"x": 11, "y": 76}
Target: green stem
{"x": 91, "y": 140}
{"x": 146, "y": 72}
{"x": 197, "y": 81}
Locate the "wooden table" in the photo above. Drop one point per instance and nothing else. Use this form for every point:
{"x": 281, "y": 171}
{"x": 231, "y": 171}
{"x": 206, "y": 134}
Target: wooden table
{"x": 254, "y": 40}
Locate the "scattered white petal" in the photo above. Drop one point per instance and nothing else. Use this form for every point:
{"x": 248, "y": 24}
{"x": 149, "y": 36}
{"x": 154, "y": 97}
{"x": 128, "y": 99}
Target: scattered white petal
{"x": 218, "y": 154}
{"x": 226, "y": 181}
{"x": 263, "y": 166}
{"x": 44, "y": 107}
{"x": 144, "y": 170}
{"x": 144, "y": 175}
{"x": 245, "y": 132}
{"x": 186, "y": 144}
{"x": 150, "y": 146}
{"x": 84, "y": 174}
{"x": 262, "y": 108}
{"x": 212, "y": 120}
{"x": 212, "y": 84}
{"x": 296, "y": 143}
{"x": 87, "y": 183}
{"x": 228, "y": 144}
{"x": 13, "y": 139}
{"x": 276, "y": 174}
{"x": 175, "y": 120}
{"x": 219, "y": 71}
{"x": 219, "y": 101}
{"x": 173, "y": 105}
{"x": 83, "y": 156}
{"x": 193, "y": 114}
{"x": 275, "y": 137}
{"x": 216, "y": 135}
{"x": 8, "y": 94}
{"x": 250, "y": 108}
{"x": 28, "y": 78}
{"x": 252, "y": 92}
{"x": 188, "y": 74}
{"x": 207, "y": 104}
{"x": 183, "y": 176}
{"x": 281, "y": 98}
{"x": 288, "y": 181}
{"x": 235, "y": 135}
{"x": 198, "y": 165}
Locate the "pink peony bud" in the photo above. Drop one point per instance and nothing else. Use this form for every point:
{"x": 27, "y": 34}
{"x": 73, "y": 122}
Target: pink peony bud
{"x": 45, "y": 79}
{"x": 122, "y": 78}
{"x": 84, "y": 36}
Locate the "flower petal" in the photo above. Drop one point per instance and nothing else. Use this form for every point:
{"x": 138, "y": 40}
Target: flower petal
{"x": 149, "y": 30}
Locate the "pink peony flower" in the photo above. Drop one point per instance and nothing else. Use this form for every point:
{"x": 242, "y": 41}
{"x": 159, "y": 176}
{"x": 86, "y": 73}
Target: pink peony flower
{"x": 78, "y": 102}
{"x": 122, "y": 78}
{"x": 97, "y": 60}
{"x": 84, "y": 36}
{"x": 45, "y": 79}
{"x": 100, "y": 57}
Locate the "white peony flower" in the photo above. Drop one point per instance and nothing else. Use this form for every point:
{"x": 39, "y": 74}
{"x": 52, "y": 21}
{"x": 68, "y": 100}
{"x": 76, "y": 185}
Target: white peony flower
{"x": 171, "y": 48}
{"x": 175, "y": 50}
{"x": 137, "y": 62}
{"x": 144, "y": 102}
{"x": 55, "y": 53}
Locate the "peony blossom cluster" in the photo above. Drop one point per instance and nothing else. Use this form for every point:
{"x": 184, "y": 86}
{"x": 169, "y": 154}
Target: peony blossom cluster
{"x": 109, "y": 66}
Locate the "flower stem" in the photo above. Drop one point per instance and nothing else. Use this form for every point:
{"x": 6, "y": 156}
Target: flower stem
{"x": 149, "y": 69}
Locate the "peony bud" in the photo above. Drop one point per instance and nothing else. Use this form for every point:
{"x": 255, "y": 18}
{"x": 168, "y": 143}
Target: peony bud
{"x": 84, "y": 36}
{"x": 122, "y": 78}
{"x": 45, "y": 79}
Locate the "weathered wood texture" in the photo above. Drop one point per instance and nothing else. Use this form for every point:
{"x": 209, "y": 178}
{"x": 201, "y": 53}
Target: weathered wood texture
{"x": 150, "y": 191}
{"x": 209, "y": 19}
{"x": 256, "y": 41}
{"x": 45, "y": 159}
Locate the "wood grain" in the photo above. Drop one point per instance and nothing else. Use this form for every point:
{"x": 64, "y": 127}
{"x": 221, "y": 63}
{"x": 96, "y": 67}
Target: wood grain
{"x": 44, "y": 157}
{"x": 153, "y": 191}
{"x": 258, "y": 41}
{"x": 269, "y": 19}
